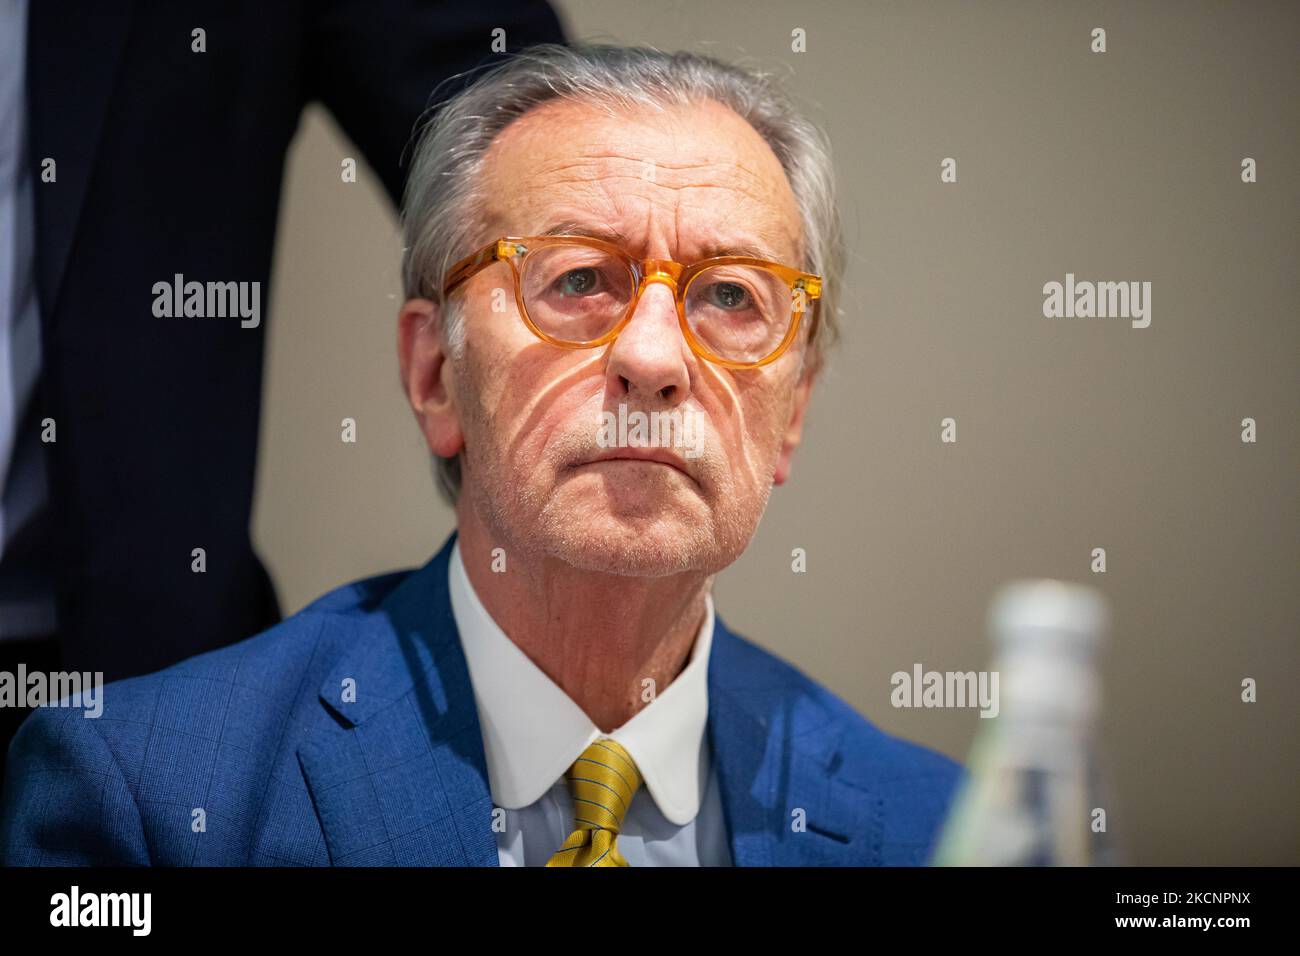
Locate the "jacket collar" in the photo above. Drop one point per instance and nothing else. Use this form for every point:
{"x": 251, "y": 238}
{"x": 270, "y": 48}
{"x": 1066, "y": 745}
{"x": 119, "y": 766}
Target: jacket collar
{"x": 399, "y": 776}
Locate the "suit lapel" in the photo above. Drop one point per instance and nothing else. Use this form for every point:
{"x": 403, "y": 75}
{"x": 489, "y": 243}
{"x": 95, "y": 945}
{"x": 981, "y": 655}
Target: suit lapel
{"x": 73, "y": 50}
{"x": 398, "y": 776}
{"x": 739, "y": 744}
{"x": 776, "y": 753}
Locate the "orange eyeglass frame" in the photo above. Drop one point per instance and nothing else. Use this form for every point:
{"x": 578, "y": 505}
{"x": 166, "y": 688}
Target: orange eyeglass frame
{"x": 508, "y": 249}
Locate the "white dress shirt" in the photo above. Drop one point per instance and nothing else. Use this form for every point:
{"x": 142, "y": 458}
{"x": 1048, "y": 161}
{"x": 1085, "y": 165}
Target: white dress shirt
{"x": 533, "y": 732}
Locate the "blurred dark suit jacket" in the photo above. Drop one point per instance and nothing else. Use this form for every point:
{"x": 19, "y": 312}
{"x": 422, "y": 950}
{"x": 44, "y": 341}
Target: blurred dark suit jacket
{"x": 170, "y": 161}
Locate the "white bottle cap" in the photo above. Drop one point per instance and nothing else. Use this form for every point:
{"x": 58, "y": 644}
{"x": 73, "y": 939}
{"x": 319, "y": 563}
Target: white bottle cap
{"x": 1047, "y": 635}
{"x": 1048, "y": 612}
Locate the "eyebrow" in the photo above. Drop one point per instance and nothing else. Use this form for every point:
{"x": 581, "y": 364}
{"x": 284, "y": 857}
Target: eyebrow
{"x": 739, "y": 247}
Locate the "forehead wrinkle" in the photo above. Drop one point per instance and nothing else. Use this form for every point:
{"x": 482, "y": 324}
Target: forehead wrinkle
{"x": 768, "y": 240}
{"x": 730, "y": 162}
{"x": 737, "y": 173}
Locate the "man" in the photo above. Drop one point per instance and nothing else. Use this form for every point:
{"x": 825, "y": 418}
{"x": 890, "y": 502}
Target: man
{"x": 587, "y": 231}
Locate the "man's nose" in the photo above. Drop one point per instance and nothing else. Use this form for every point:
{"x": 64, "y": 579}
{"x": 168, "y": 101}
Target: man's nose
{"x": 650, "y": 356}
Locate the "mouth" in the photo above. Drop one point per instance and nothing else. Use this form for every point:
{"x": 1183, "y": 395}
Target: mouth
{"x": 637, "y": 456}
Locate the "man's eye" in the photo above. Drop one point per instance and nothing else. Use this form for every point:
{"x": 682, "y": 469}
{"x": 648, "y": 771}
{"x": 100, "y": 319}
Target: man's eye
{"x": 579, "y": 282}
{"x": 727, "y": 295}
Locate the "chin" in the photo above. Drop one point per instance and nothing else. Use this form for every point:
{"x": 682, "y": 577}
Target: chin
{"x": 594, "y": 537}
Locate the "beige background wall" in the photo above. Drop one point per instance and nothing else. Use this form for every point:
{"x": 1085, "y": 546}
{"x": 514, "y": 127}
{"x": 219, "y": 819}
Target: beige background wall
{"x": 1072, "y": 433}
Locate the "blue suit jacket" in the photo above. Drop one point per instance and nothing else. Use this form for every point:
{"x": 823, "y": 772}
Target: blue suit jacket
{"x": 287, "y": 772}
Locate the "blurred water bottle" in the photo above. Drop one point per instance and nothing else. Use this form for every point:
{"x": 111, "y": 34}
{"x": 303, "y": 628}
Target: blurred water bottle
{"x": 1034, "y": 793}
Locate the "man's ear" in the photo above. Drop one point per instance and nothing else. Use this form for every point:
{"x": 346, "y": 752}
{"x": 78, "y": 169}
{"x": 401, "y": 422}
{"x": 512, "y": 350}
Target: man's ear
{"x": 426, "y": 371}
{"x": 794, "y": 431}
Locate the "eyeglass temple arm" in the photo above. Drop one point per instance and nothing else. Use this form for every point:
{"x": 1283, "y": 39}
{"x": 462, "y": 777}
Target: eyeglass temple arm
{"x": 811, "y": 285}
{"x": 467, "y": 267}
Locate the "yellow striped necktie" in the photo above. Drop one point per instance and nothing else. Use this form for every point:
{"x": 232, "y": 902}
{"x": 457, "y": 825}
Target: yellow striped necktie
{"x": 603, "y": 782}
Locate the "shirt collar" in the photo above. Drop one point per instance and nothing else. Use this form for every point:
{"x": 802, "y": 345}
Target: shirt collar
{"x": 533, "y": 731}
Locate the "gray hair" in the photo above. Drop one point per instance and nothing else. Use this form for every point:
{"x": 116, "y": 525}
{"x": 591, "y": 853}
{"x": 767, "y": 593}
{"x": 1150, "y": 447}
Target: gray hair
{"x": 442, "y": 206}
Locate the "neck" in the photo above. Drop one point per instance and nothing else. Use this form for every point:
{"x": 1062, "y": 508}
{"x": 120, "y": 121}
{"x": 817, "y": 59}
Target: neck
{"x": 599, "y": 637}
